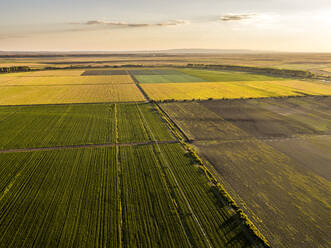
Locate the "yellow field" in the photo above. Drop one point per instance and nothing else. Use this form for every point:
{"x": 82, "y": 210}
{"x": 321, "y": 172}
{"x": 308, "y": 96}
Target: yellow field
{"x": 47, "y": 73}
{"x": 188, "y": 91}
{"x": 60, "y": 80}
{"x": 24, "y": 95}
{"x": 313, "y": 88}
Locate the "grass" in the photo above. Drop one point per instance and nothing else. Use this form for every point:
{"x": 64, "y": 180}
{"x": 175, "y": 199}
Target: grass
{"x": 171, "y": 78}
{"x": 65, "y": 80}
{"x": 228, "y": 76}
{"x": 26, "y": 95}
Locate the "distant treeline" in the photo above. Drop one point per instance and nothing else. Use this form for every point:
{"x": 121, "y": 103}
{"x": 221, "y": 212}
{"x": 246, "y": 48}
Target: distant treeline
{"x": 14, "y": 69}
{"x": 260, "y": 70}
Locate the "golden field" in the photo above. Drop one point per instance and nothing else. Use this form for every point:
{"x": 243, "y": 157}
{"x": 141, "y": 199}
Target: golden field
{"x": 65, "y": 80}
{"x": 229, "y": 90}
{"x": 24, "y": 95}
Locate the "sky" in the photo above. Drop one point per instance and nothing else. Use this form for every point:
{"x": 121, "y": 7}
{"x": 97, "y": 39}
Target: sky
{"x": 130, "y": 25}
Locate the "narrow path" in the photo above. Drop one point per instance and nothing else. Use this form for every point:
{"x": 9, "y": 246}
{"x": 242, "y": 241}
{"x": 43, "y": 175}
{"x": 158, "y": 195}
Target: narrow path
{"x": 86, "y": 146}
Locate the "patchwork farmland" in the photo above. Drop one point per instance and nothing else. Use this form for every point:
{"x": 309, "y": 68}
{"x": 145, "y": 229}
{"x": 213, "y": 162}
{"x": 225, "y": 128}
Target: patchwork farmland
{"x": 92, "y": 158}
{"x": 272, "y": 156}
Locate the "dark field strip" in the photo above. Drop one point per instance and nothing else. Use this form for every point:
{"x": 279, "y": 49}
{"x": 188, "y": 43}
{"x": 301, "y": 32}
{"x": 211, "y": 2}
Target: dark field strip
{"x": 104, "y": 72}
{"x": 76, "y": 125}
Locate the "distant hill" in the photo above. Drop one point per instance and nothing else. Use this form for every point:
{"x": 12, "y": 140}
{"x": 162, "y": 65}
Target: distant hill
{"x": 167, "y": 51}
{"x": 209, "y": 51}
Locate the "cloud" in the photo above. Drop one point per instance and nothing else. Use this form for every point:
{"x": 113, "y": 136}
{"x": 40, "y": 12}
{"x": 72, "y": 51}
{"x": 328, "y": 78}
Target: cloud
{"x": 119, "y": 24}
{"x": 236, "y": 17}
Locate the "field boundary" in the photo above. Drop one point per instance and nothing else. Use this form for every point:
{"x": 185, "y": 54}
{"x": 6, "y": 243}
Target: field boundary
{"x": 252, "y": 229}
{"x": 176, "y": 182}
{"x": 138, "y": 86}
{"x": 35, "y": 149}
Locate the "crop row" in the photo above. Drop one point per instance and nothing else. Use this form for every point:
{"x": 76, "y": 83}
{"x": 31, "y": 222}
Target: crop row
{"x": 49, "y": 126}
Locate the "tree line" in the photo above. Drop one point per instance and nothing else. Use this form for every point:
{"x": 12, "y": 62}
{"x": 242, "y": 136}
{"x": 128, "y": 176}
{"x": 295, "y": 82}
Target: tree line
{"x": 14, "y": 69}
{"x": 261, "y": 70}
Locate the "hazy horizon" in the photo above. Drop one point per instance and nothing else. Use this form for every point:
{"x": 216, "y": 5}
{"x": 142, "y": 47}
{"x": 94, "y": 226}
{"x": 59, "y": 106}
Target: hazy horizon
{"x": 85, "y": 25}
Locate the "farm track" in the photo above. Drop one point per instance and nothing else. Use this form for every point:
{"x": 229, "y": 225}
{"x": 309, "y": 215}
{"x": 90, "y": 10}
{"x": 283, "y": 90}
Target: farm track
{"x": 87, "y": 146}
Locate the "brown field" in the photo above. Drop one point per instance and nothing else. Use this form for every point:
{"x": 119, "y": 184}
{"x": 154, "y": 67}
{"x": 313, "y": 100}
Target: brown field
{"x": 272, "y": 156}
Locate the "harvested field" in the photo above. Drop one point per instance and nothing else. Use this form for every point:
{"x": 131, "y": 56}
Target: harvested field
{"x": 25, "y": 95}
{"x": 272, "y": 156}
{"x": 104, "y": 72}
{"x": 60, "y": 80}
{"x": 200, "y": 123}
{"x": 312, "y": 153}
{"x": 276, "y": 117}
{"x": 273, "y": 188}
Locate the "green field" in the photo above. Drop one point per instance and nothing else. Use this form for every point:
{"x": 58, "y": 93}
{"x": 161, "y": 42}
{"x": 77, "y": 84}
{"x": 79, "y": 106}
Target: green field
{"x": 227, "y": 76}
{"x": 132, "y": 196}
{"x": 48, "y": 126}
{"x": 171, "y": 78}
